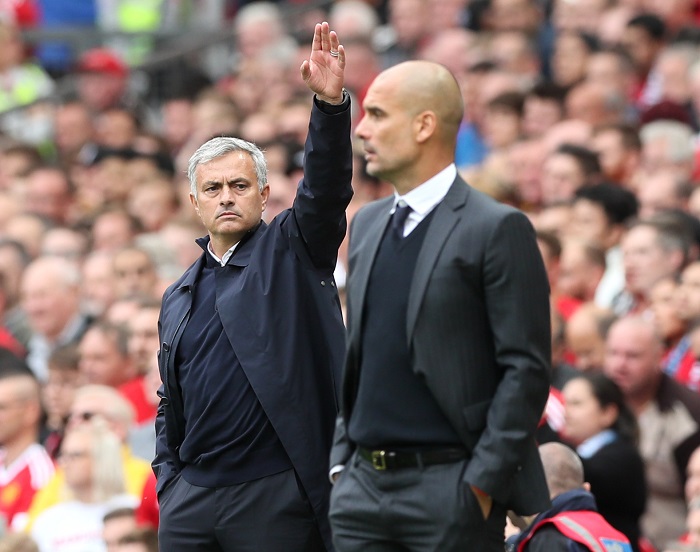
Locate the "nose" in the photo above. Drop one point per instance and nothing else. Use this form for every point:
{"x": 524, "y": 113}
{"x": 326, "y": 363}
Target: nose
{"x": 360, "y": 130}
{"x": 226, "y": 196}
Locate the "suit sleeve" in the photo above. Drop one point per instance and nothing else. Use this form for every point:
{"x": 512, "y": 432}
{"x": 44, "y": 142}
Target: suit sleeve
{"x": 326, "y": 189}
{"x": 516, "y": 295}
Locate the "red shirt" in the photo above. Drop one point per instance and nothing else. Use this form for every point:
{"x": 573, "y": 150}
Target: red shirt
{"x": 135, "y": 392}
{"x": 20, "y": 481}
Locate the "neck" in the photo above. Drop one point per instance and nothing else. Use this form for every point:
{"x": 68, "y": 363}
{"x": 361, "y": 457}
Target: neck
{"x": 639, "y": 401}
{"x": 83, "y": 494}
{"x": 220, "y": 245}
{"x": 15, "y": 449}
{"x": 421, "y": 173}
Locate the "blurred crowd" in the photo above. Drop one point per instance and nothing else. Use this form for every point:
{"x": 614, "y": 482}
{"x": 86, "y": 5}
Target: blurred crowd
{"x": 585, "y": 114}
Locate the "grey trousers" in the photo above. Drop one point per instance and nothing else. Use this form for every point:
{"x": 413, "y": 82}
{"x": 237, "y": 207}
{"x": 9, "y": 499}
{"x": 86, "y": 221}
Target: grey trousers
{"x": 411, "y": 509}
{"x": 270, "y": 514}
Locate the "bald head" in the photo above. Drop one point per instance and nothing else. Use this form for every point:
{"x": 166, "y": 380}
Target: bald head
{"x": 562, "y": 468}
{"x": 427, "y": 86}
{"x": 409, "y": 130}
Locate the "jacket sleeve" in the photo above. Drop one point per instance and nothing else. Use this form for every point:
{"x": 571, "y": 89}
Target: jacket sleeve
{"x": 163, "y": 464}
{"x": 516, "y": 295}
{"x": 341, "y": 449}
{"x": 326, "y": 189}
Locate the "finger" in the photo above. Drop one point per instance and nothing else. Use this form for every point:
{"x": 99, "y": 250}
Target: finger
{"x": 325, "y": 37}
{"x": 334, "y": 42}
{"x": 305, "y": 70}
{"x": 341, "y": 55}
{"x": 316, "y": 43}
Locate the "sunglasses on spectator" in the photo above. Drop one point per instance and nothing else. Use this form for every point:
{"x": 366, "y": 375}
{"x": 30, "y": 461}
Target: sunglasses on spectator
{"x": 82, "y": 416}
{"x": 74, "y": 455}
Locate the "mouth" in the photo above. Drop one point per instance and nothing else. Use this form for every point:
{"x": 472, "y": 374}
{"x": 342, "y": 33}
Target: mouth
{"x": 227, "y": 214}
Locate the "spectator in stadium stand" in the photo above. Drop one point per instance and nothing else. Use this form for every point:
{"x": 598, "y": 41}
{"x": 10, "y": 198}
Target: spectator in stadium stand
{"x": 567, "y": 169}
{"x": 619, "y": 151}
{"x": 142, "y": 539}
{"x": 667, "y": 145}
{"x": 135, "y": 272}
{"x": 50, "y": 194}
{"x": 403, "y": 35}
{"x": 102, "y": 79}
{"x": 93, "y": 485}
{"x": 585, "y": 335}
{"x": 113, "y": 229}
{"x": 107, "y": 404}
{"x": 572, "y": 523}
{"x": 50, "y": 298}
{"x": 612, "y": 68}
{"x": 7, "y": 340}
{"x": 105, "y": 360}
{"x": 595, "y": 104}
{"x": 25, "y": 466}
{"x": 543, "y": 107}
{"x": 115, "y": 524}
{"x": 604, "y": 432}
{"x": 581, "y": 268}
{"x": 652, "y": 249}
{"x": 18, "y": 542}
{"x": 599, "y": 215}
{"x": 62, "y": 241}
{"x": 679, "y": 360}
{"x": 97, "y": 289}
{"x": 58, "y": 394}
{"x": 572, "y": 48}
{"x": 13, "y": 260}
{"x": 23, "y": 80}
{"x": 73, "y": 133}
{"x": 668, "y": 415}
{"x": 643, "y": 38}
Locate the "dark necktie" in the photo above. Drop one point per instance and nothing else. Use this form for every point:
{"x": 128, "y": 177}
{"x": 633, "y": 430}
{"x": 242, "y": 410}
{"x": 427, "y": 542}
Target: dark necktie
{"x": 399, "y": 218}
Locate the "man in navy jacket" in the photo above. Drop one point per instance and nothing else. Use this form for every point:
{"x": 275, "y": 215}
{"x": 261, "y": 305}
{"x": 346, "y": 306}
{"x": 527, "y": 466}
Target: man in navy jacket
{"x": 252, "y": 340}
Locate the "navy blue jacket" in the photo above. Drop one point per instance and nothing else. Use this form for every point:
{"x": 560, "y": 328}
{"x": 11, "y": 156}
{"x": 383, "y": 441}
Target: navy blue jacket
{"x": 282, "y": 318}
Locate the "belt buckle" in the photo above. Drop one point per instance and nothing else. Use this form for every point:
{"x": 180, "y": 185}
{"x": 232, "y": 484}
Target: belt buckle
{"x": 379, "y": 460}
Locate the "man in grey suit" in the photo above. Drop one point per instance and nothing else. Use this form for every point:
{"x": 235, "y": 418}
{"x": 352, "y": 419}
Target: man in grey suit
{"x": 447, "y": 369}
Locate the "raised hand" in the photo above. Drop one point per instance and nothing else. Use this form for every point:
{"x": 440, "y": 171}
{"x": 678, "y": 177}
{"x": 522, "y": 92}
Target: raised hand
{"x": 324, "y": 71}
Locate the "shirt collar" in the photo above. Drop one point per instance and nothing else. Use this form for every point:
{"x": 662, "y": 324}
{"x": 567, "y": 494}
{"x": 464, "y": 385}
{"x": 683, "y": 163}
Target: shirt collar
{"x": 426, "y": 196}
{"x": 222, "y": 261}
{"x": 593, "y": 444}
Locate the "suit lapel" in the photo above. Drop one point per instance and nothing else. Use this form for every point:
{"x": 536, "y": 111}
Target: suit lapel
{"x": 446, "y": 216}
{"x": 368, "y": 245}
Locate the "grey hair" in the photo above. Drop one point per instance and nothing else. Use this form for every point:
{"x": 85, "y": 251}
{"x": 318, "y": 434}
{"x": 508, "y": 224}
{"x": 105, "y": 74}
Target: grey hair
{"x": 678, "y": 137}
{"x": 220, "y": 146}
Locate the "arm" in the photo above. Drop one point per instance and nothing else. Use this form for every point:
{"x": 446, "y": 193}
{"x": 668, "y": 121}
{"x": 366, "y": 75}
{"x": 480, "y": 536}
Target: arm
{"x": 516, "y": 295}
{"x": 164, "y": 466}
{"x": 325, "y": 190}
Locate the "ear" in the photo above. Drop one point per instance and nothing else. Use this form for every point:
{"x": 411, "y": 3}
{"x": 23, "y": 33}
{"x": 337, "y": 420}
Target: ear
{"x": 265, "y": 195}
{"x": 424, "y": 126}
{"x": 610, "y": 414}
{"x": 193, "y": 201}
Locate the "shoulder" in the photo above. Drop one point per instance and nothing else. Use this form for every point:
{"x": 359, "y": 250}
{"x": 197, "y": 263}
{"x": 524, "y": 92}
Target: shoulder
{"x": 548, "y": 539}
{"x": 672, "y": 392}
{"x": 370, "y": 211}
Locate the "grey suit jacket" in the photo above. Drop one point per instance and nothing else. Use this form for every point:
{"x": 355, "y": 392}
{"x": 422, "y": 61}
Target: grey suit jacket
{"x": 478, "y": 331}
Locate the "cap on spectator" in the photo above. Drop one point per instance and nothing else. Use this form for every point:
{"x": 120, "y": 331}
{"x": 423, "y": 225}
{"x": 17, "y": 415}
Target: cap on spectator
{"x": 102, "y": 60}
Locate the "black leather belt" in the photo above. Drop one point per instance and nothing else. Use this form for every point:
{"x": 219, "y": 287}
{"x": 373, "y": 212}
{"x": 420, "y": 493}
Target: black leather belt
{"x": 394, "y": 459}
